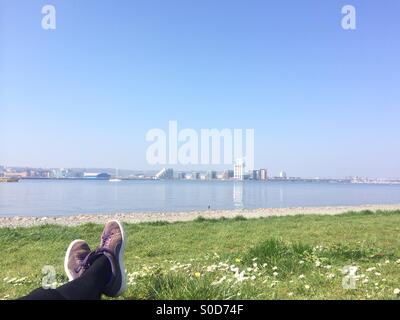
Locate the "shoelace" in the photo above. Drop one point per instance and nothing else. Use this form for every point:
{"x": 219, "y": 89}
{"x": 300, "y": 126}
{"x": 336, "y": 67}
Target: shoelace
{"x": 85, "y": 263}
{"x": 105, "y": 240}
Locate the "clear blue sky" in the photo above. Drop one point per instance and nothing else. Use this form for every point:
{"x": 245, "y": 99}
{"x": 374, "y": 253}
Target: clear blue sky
{"x": 323, "y": 101}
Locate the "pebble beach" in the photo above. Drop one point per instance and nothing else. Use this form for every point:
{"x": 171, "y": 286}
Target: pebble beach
{"x": 137, "y": 217}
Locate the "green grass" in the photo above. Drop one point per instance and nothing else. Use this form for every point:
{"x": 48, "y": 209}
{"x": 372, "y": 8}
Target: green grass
{"x": 297, "y": 257}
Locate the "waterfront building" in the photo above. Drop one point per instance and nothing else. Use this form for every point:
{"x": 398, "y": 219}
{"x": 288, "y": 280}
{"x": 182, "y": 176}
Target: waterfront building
{"x": 46, "y": 174}
{"x": 90, "y": 175}
{"x": 212, "y": 175}
{"x": 255, "y": 175}
{"x": 195, "y": 176}
{"x": 165, "y": 174}
{"x": 239, "y": 169}
{"x": 227, "y": 174}
{"x": 60, "y": 173}
{"x": 263, "y": 174}
{"x": 181, "y": 175}
{"x": 14, "y": 173}
{"x": 282, "y": 175}
{"x": 96, "y": 176}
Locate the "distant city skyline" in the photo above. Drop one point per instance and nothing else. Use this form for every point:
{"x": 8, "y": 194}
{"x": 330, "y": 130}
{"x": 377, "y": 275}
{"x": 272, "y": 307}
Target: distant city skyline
{"x": 323, "y": 101}
{"x": 232, "y": 173}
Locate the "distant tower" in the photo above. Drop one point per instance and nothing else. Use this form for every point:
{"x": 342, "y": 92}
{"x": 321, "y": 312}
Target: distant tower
{"x": 263, "y": 174}
{"x": 239, "y": 169}
{"x": 282, "y": 175}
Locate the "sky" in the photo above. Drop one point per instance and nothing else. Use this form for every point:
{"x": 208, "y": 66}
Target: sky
{"x": 323, "y": 101}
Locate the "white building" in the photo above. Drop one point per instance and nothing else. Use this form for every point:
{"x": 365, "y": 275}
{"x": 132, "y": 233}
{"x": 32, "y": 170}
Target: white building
{"x": 165, "y": 174}
{"x": 263, "y": 174}
{"x": 90, "y": 174}
{"x": 282, "y": 175}
{"x": 239, "y": 169}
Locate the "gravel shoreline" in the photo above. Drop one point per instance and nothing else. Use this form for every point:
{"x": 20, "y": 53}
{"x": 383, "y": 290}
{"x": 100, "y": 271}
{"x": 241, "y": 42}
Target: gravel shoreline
{"x": 74, "y": 220}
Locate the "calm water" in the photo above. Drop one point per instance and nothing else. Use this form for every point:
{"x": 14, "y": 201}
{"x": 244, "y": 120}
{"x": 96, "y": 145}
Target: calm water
{"x": 50, "y": 197}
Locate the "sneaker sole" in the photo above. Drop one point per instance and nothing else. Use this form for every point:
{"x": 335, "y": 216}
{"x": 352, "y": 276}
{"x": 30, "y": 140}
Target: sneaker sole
{"x": 66, "y": 269}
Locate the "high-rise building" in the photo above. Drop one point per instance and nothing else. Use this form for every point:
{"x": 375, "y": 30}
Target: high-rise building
{"x": 255, "y": 175}
{"x": 282, "y": 175}
{"x": 263, "y": 174}
{"x": 239, "y": 169}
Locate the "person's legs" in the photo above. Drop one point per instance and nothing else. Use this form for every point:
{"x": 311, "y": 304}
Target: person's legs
{"x": 89, "y": 286}
{"x": 92, "y": 273}
{"x": 43, "y": 294}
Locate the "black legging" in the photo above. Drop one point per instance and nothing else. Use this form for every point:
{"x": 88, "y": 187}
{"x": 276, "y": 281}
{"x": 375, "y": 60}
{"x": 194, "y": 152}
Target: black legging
{"x": 89, "y": 286}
